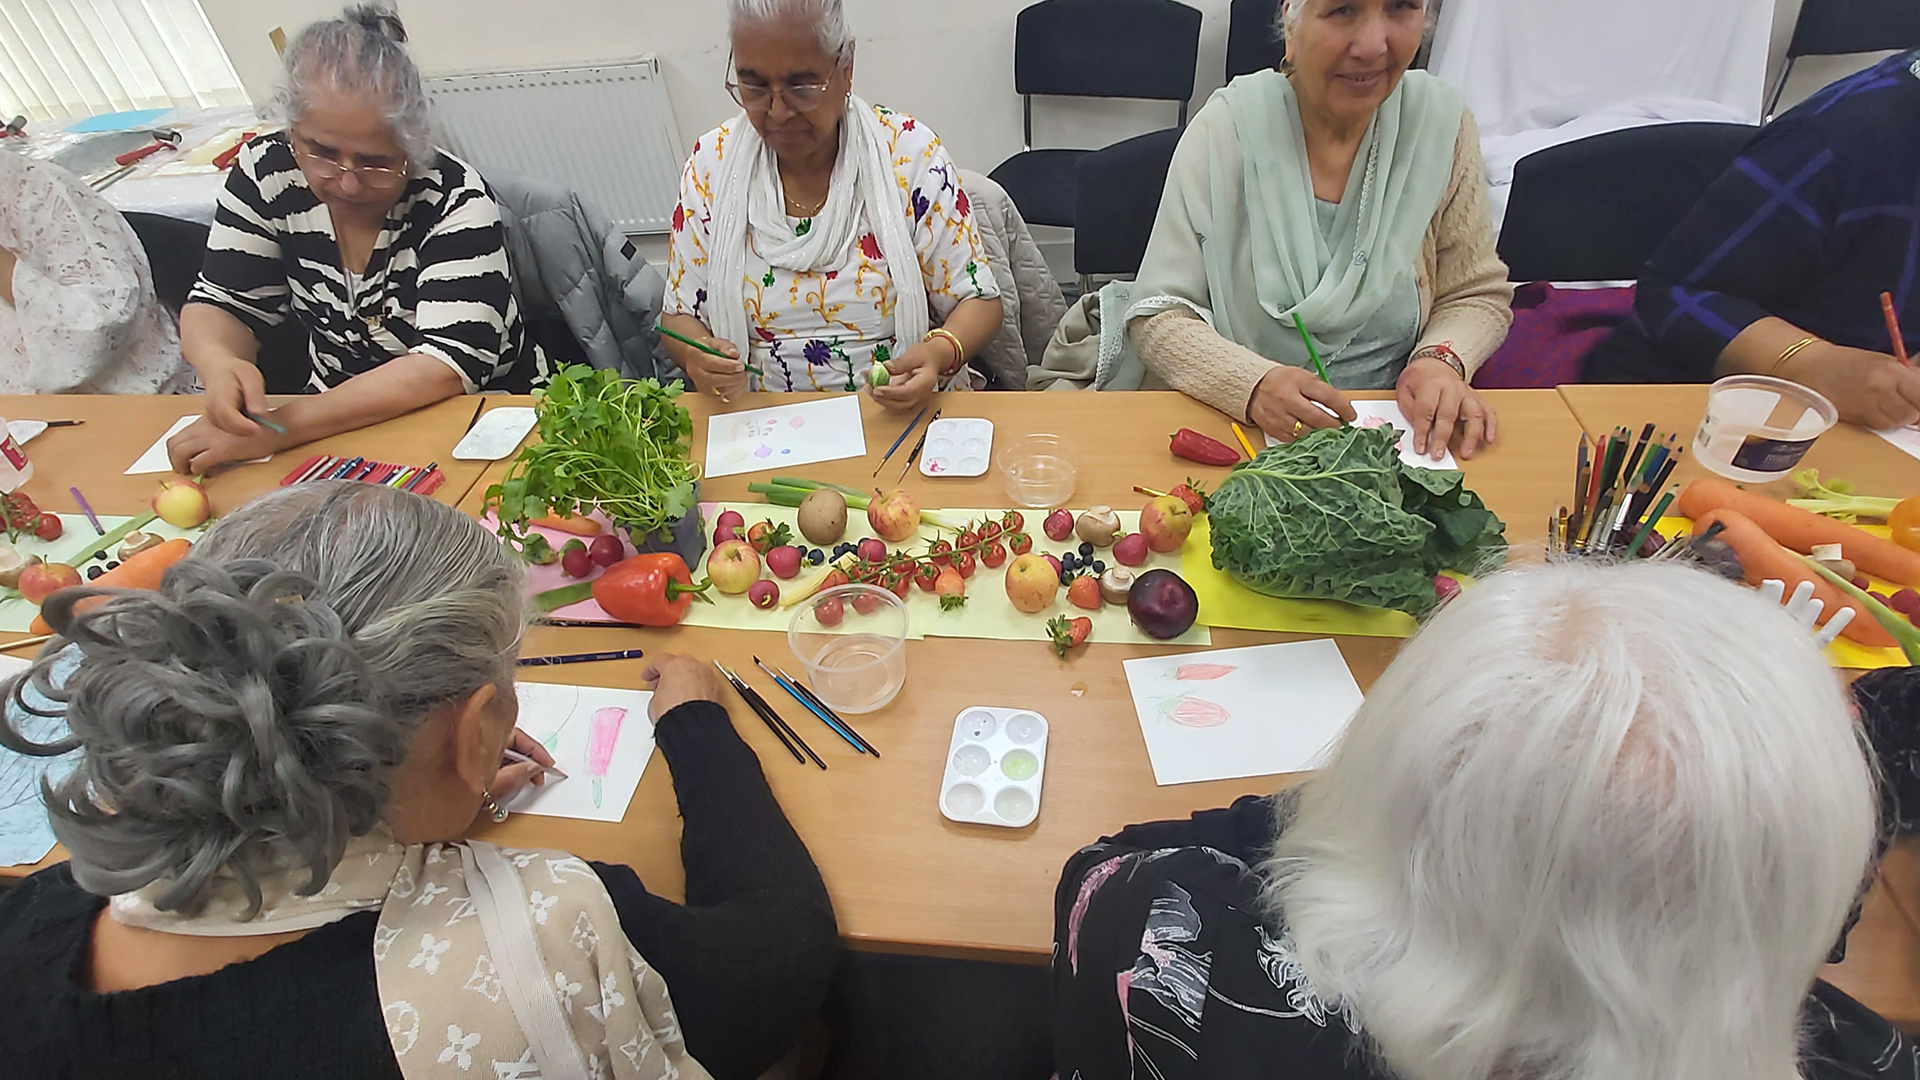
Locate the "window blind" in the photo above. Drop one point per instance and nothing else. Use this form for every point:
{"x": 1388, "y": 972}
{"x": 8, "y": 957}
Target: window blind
{"x": 66, "y": 59}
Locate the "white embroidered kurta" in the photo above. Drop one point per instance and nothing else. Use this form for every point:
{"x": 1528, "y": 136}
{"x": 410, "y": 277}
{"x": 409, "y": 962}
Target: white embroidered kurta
{"x": 84, "y": 317}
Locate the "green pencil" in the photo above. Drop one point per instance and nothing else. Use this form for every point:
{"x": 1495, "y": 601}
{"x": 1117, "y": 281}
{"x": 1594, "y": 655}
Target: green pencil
{"x": 709, "y": 350}
{"x": 1312, "y": 352}
{"x": 264, "y": 422}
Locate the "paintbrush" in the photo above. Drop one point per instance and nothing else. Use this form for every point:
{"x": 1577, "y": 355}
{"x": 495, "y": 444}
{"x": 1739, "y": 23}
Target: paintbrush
{"x": 915, "y": 454}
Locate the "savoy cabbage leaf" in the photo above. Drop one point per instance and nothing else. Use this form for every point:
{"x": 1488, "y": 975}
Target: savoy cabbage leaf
{"x": 1338, "y": 516}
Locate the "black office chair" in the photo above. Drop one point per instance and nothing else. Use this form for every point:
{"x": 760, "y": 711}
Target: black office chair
{"x": 1145, "y": 49}
{"x": 1253, "y": 39}
{"x": 1595, "y": 209}
{"x": 1842, "y": 27}
{"x": 1116, "y": 198}
{"x": 175, "y": 249}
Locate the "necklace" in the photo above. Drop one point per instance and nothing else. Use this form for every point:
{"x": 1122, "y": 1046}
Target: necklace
{"x": 799, "y": 210}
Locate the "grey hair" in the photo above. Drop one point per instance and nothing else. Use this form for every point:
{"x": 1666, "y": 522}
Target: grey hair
{"x": 249, "y": 713}
{"x": 827, "y": 19}
{"x": 362, "y": 53}
{"x": 1286, "y": 17}
{"x": 1593, "y": 822}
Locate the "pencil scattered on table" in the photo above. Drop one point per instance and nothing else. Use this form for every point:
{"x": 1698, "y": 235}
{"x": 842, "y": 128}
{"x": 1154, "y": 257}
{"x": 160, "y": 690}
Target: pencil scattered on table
{"x": 93, "y": 518}
{"x": 581, "y": 657}
{"x": 904, "y": 432}
{"x": 1619, "y": 494}
{"x": 422, "y": 480}
{"x": 1242, "y": 436}
{"x": 1893, "y": 329}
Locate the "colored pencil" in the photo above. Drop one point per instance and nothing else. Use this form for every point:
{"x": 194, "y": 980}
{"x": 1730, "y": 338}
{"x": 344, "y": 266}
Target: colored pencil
{"x": 918, "y": 446}
{"x": 710, "y": 351}
{"x": 1312, "y": 353}
{"x": 1633, "y": 547}
{"x": 581, "y": 657}
{"x": 264, "y": 422}
{"x": 1893, "y": 329}
{"x": 99, "y": 529}
{"x": 1242, "y": 436}
{"x": 904, "y": 432}
{"x": 589, "y": 622}
{"x": 818, "y": 708}
{"x": 346, "y": 467}
{"x": 1582, "y": 467}
{"x": 416, "y": 481}
{"x": 516, "y": 756}
{"x": 24, "y": 642}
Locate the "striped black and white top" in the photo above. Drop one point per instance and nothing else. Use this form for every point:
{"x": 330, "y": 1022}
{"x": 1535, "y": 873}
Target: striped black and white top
{"x": 437, "y": 282}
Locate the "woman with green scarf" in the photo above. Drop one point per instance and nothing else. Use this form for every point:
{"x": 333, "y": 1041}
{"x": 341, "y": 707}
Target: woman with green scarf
{"x": 1341, "y": 197}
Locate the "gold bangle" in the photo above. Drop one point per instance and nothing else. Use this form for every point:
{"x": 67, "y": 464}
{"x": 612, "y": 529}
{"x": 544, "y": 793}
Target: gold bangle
{"x": 1793, "y": 350}
{"x": 959, "y": 350}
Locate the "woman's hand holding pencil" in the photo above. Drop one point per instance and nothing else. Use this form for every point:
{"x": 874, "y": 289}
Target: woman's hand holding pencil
{"x": 712, "y": 363}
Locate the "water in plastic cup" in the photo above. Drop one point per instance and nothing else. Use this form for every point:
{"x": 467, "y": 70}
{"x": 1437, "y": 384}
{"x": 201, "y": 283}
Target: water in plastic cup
{"x": 857, "y": 661}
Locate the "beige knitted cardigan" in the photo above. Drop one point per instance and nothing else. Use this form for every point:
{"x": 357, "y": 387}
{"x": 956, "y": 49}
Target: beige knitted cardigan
{"x": 1466, "y": 301}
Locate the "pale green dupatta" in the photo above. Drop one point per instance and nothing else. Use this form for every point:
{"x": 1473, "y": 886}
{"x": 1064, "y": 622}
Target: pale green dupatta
{"x": 1237, "y": 240}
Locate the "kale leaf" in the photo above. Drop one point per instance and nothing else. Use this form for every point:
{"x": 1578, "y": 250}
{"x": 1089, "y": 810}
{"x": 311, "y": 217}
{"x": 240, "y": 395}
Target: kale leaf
{"x": 1337, "y": 515}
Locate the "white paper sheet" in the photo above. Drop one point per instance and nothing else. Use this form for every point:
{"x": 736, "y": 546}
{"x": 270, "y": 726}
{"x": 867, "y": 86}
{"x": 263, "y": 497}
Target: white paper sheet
{"x": 155, "y": 460}
{"x": 1905, "y": 438}
{"x": 1380, "y": 413}
{"x": 25, "y": 835}
{"x": 1229, "y": 713}
{"x": 825, "y": 429}
{"x": 600, "y": 738}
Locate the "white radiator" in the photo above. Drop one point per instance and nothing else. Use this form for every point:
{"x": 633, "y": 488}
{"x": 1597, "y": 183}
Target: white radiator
{"x": 605, "y": 130}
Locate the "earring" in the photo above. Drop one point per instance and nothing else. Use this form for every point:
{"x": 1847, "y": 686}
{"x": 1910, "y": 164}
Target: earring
{"x": 492, "y": 806}
{"x": 1286, "y": 65}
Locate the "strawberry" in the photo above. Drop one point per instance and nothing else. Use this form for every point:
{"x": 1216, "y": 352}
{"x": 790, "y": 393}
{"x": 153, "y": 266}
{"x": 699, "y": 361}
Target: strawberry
{"x": 1068, "y": 633}
{"x": 993, "y": 555}
{"x": 951, "y": 589}
{"x": 963, "y": 562}
{"x": 1019, "y": 543}
{"x": 1191, "y": 494}
{"x": 765, "y": 535}
{"x": 926, "y": 576}
{"x": 1085, "y": 593}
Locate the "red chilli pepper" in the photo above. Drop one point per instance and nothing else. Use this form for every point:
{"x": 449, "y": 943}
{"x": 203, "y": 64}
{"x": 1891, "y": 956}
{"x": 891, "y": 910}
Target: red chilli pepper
{"x": 654, "y": 589}
{"x": 1190, "y": 444}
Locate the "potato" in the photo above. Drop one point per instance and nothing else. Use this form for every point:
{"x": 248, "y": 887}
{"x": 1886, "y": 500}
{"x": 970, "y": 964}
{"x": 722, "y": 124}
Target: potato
{"x": 823, "y": 516}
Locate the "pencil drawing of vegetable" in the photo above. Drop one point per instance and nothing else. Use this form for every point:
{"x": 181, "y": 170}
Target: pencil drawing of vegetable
{"x": 601, "y": 738}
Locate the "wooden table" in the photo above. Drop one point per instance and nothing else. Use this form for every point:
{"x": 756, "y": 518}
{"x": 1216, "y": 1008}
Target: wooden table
{"x": 1883, "y": 952}
{"x": 903, "y": 878}
{"x": 118, "y": 429}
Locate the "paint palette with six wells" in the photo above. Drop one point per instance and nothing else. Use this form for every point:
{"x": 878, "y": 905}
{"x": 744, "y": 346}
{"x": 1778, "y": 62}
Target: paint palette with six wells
{"x": 959, "y": 446}
{"x": 995, "y": 764}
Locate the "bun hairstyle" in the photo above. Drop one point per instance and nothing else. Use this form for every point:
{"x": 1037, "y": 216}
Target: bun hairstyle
{"x": 362, "y": 54}
{"x": 245, "y": 718}
{"x": 378, "y": 19}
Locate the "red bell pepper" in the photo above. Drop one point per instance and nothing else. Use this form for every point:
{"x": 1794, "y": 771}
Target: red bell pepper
{"x": 654, "y": 589}
{"x": 1193, "y": 446}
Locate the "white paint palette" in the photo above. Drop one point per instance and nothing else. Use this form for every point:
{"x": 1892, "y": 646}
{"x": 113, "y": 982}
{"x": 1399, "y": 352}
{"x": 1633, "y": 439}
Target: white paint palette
{"x": 960, "y": 446}
{"x": 995, "y": 765}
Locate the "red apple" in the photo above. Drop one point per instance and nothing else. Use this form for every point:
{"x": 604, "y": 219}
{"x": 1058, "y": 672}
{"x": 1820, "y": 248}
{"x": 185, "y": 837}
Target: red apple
{"x": 1130, "y": 550}
{"x": 734, "y": 566}
{"x": 784, "y": 561}
{"x": 41, "y": 580}
{"x": 1031, "y": 583}
{"x": 894, "y": 515}
{"x": 1166, "y": 521}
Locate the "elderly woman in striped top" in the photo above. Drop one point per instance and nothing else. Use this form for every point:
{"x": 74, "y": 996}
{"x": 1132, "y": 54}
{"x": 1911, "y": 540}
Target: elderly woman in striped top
{"x": 389, "y": 252}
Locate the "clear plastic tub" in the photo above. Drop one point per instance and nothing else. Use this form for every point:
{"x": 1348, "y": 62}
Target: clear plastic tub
{"x": 1039, "y": 471}
{"x": 851, "y": 642}
{"x": 1757, "y": 428}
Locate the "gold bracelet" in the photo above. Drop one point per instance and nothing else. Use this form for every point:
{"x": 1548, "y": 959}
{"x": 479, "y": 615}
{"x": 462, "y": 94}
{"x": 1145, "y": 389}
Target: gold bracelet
{"x": 1793, "y": 350}
{"x": 959, "y": 350}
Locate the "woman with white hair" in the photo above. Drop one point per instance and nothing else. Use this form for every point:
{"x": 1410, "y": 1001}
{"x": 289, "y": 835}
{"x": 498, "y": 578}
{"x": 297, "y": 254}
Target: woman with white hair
{"x": 1340, "y": 198}
{"x": 388, "y": 251}
{"x": 1563, "y": 839}
{"x": 280, "y": 752}
{"x": 818, "y": 236}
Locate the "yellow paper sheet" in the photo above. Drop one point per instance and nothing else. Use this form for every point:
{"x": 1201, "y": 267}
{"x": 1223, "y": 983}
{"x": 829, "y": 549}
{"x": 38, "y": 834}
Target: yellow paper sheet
{"x": 16, "y": 614}
{"x": 1227, "y": 603}
{"x": 1843, "y": 653}
{"x": 987, "y": 613}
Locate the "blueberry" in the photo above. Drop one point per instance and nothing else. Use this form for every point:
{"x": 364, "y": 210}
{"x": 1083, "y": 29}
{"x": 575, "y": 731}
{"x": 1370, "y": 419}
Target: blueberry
{"x": 1086, "y": 549}
{"x": 1068, "y": 561}
{"x": 1099, "y": 566}
{"x": 99, "y": 556}
{"x": 115, "y": 565}
{"x": 94, "y": 572}
{"x": 816, "y": 557}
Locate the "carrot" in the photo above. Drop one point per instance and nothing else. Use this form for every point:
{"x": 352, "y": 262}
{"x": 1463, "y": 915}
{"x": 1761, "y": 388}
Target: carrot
{"x": 1762, "y": 557}
{"x": 1801, "y": 530}
{"x": 143, "y": 571}
{"x": 578, "y": 526}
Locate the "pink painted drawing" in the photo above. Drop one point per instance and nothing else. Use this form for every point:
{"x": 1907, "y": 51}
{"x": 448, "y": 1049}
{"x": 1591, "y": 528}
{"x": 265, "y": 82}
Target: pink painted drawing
{"x": 1204, "y": 672}
{"x": 601, "y": 738}
{"x": 1194, "y": 712}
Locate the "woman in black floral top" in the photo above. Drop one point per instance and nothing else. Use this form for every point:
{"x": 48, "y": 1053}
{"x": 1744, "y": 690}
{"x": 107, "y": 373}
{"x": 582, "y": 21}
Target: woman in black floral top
{"x": 1567, "y": 855}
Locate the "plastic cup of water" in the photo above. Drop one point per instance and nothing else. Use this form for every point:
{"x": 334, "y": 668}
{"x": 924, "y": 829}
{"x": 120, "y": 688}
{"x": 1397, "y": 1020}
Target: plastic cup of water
{"x": 851, "y": 641}
{"x": 1757, "y": 428}
{"x": 1038, "y": 470}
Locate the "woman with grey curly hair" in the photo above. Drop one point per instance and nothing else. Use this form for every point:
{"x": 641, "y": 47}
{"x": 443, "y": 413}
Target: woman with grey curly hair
{"x": 279, "y": 754}
{"x": 387, "y": 251}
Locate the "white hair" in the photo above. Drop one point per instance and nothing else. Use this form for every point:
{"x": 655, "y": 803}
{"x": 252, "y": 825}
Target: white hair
{"x": 1594, "y": 823}
{"x": 1286, "y": 19}
{"x": 362, "y": 53}
{"x": 826, "y": 18}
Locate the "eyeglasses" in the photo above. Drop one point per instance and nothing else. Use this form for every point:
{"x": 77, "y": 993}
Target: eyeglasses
{"x": 800, "y": 97}
{"x": 379, "y": 179}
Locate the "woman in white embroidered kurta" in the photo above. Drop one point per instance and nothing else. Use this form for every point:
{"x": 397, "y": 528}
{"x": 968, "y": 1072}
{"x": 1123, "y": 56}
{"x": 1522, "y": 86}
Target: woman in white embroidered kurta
{"x": 800, "y": 219}
{"x": 77, "y": 309}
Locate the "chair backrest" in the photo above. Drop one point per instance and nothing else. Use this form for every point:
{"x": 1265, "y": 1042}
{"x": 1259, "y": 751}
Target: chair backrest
{"x": 1838, "y": 27}
{"x": 1253, "y": 41}
{"x": 1117, "y": 197}
{"x": 1107, "y": 48}
{"x": 1595, "y": 209}
{"x": 175, "y": 249}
